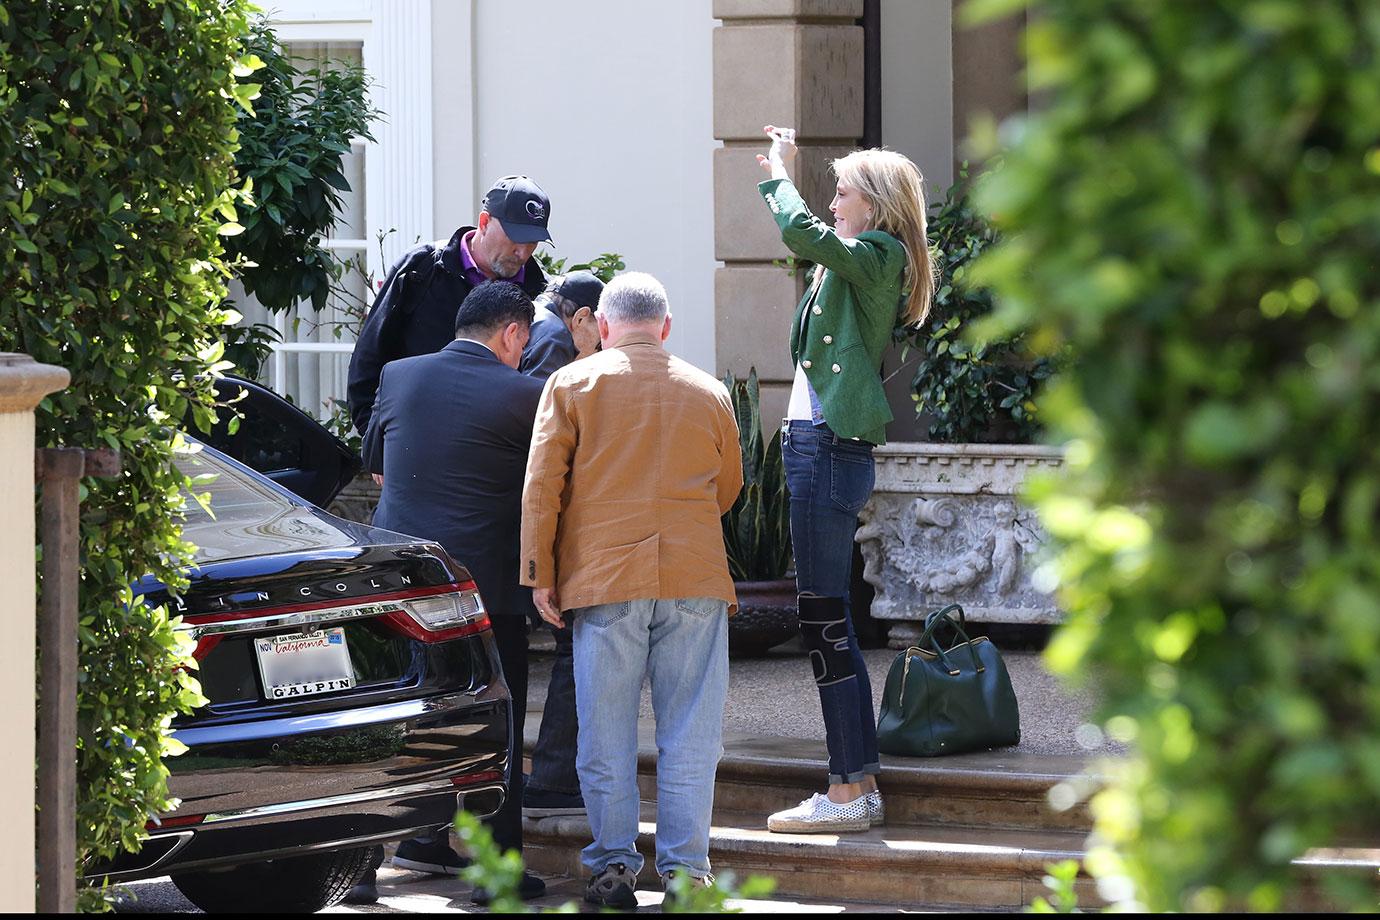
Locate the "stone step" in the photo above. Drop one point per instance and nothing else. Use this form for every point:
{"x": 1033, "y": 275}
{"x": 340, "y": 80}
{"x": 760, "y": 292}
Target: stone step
{"x": 904, "y": 867}
{"x": 997, "y": 789}
{"x": 1003, "y": 789}
{"x": 970, "y": 831}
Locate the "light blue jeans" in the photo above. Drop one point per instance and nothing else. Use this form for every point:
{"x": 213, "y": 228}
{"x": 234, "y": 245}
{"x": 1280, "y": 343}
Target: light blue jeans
{"x": 682, "y": 645}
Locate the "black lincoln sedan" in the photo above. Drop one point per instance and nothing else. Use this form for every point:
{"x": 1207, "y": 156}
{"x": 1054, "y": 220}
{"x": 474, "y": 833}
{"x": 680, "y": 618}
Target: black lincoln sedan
{"x": 354, "y": 686}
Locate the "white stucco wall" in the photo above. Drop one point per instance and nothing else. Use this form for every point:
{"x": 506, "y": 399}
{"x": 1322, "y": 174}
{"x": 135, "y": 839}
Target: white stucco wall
{"x": 608, "y": 105}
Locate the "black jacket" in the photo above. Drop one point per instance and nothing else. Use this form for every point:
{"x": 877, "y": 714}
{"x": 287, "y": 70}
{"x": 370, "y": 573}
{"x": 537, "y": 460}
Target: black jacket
{"x": 414, "y": 314}
{"x": 551, "y": 346}
{"x": 451, "y": 433}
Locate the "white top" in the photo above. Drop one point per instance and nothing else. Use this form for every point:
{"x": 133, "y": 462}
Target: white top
{"x": 798, "y": 409}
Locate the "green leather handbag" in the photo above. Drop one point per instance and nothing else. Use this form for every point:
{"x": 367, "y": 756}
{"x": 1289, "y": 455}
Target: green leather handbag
{"x": 947, "y": 700}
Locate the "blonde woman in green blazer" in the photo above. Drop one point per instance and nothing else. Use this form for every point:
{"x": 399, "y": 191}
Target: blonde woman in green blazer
{"x": 873, "y": 271}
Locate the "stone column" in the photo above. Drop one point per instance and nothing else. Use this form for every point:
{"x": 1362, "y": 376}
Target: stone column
{"x": 988, "y": 74}
{"x": 23, "y": 383}
{"x": 795, "y": 63}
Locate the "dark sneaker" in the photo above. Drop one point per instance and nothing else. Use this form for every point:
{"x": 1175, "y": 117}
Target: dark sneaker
{"x": 530, "y": 887}
{"x": 541, "y": 803}
{"x": 436, "y": 858}
{"x": 668, "y": 884}
{"x": 366, "y": 891}
{"x": 613, "y": 886}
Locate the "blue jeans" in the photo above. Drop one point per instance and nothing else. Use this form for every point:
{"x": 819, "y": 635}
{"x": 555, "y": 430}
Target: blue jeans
{"x": 682, "y": 645}
{"x": 829, "y": 480}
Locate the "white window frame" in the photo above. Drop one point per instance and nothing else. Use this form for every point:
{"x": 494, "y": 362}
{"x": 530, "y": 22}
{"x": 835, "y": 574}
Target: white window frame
{"x": 395, "y": 38}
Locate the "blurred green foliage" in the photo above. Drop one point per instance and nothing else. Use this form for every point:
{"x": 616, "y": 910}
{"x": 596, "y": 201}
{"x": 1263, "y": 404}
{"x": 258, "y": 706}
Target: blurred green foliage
{"x": 117, "y": 132}
{"x": 1059, "y": 881}
{"x": 1195, "y": 213}
{"x": 972, "y": 390}
{"x": 500, "y": 873}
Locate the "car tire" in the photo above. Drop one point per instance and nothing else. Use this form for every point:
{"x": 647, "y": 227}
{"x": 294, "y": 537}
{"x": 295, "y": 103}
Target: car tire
{"x": 299, "y": 885}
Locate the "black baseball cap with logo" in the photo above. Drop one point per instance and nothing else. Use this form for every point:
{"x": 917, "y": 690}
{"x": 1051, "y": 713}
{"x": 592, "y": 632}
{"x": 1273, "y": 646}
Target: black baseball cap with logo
{"x": 521, "y": 207}
{"x": 581, "y": 288}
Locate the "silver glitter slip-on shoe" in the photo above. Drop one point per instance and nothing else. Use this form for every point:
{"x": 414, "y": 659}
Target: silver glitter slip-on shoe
{"x": 818, "y": 815}
{"x": 876, "y": 811}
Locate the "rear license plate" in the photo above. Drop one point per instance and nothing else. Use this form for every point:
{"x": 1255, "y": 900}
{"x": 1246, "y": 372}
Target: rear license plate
{"x": 301, "y": 665}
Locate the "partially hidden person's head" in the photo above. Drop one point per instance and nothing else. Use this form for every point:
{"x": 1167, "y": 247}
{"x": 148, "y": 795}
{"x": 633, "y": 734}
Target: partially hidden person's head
{"x": 633, "y": 302}
{"x": 499, "y": 314}
{"x": 883, "y": 190}
{"x": 574, "y": 292}
{"x": 512, "y": 221}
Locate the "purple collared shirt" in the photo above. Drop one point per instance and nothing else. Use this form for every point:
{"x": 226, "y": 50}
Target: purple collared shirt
{"x": 471, "y": 268}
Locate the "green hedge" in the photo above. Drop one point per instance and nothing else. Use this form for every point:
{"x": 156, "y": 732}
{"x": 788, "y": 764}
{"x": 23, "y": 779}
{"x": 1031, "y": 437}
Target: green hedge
{"x": 1196, "y": 211}
{"x": 116, "y": 138}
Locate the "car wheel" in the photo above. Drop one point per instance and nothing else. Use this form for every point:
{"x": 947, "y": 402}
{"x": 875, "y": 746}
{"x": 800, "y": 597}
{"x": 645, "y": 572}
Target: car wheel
{"x": 302, "y": 884}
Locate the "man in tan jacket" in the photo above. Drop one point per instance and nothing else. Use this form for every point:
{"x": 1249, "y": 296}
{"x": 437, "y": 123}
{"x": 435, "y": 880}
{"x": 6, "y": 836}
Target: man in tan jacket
{"x": 634, "y": 460}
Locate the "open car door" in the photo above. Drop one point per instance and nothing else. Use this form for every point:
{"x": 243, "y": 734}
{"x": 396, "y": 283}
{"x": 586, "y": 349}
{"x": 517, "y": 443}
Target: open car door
{"x": 279, "y": 440}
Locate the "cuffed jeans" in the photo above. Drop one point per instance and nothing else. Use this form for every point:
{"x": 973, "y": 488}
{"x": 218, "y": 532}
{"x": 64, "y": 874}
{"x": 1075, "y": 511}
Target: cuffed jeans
{"x": 829, "y": 480}
{"x": 682, "y": 646}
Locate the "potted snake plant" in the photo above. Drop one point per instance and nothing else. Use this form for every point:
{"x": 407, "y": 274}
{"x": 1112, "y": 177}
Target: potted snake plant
{"x": 757, "y": 532}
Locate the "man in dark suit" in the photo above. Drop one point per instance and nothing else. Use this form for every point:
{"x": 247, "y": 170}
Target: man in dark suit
{"x": 450, "y": 434}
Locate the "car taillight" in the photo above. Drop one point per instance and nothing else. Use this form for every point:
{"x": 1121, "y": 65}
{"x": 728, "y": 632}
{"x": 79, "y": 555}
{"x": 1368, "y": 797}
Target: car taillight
{"x": 165, "y": 822}
{"x": 441, "y": 617}
{"x": 204, "y": 644}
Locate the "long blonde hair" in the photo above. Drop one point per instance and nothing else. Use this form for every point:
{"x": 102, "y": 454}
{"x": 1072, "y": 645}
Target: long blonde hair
{"x": 892, "y": 184}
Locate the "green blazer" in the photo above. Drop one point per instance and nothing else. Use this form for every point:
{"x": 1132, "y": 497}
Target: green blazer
{"x": 839, "y": 340}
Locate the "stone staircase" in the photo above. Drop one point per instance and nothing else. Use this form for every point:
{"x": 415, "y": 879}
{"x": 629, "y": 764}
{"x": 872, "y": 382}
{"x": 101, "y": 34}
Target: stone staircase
{"x": 968, "y": 832}
{"x": 971, "y": 832}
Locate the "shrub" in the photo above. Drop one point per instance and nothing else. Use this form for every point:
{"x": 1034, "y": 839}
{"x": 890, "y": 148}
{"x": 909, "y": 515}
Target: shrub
{"x": 117, "y": 125}
{"x": 291, "y": 149}
{"x": 1196, "y": 213}
{"x": 604, "y": 266}
{"x": 973, "y": 390}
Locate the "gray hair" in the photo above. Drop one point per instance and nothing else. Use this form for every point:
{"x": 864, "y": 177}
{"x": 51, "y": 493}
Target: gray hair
{"x": 561, "y": 306}
{"x": 634, "y": 297}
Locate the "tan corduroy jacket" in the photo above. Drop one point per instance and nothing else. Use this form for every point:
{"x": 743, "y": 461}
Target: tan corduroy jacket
{"x": 634, "y": 460}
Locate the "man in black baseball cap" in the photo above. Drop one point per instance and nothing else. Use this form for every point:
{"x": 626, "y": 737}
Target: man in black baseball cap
{"x": 414, "y": 312}
{"x": 521, "y": 207}
{"x": 564, "y": 328}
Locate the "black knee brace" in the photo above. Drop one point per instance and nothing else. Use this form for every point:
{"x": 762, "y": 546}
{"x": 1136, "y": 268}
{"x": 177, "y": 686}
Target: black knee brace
{"x": 824, "y": 627}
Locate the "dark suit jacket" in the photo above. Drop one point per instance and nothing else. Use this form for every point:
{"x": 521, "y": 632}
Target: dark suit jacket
{"x": 414, "y": 314}
{"x": 450, "y": 434}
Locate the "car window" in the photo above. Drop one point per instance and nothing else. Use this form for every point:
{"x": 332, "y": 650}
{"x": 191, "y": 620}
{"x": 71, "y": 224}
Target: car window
{"x": 248, "y": 517}
{"x": 272, "y": 444}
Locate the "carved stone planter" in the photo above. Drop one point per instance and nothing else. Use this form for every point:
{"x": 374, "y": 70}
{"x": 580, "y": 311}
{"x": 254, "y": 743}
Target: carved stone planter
{"x": 944, "y": 526}
{"x": 765, "y": 617}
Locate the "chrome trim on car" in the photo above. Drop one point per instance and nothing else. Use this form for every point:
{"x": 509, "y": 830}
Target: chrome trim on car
{"x": 308, "y": 617}
{"x": 351, "y": 798}
{"x": 278, "y": 620}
